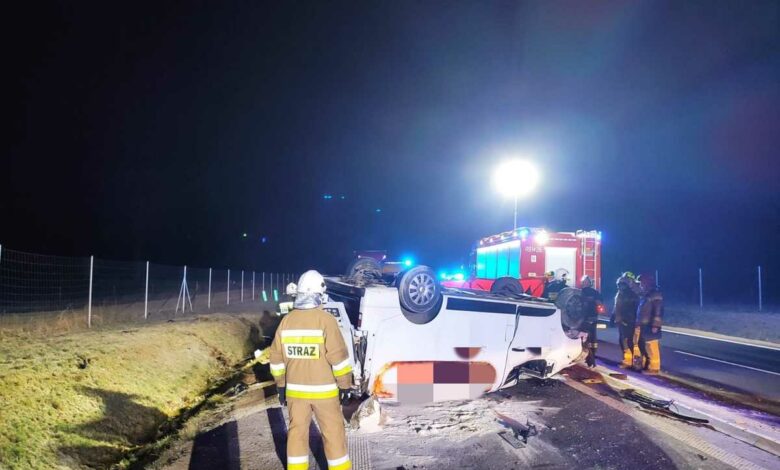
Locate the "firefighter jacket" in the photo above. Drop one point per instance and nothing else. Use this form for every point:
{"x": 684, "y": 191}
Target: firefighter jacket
{"x": 309, "y": 356}
{"x": 590, "y": 300}
{"x": 651, "y": 310}
{"x": 626, "y": 305}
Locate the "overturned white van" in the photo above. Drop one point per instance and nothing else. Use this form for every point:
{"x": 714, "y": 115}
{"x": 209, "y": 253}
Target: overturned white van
{"x": 415, "y": 341}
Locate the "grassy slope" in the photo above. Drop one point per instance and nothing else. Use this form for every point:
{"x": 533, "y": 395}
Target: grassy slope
{"x": 53, "y": 413}
{"x": 753, "y": 325}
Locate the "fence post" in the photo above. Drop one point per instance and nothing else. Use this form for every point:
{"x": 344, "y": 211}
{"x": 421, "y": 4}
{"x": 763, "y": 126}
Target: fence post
{"x": 242, "y": 286}
{"x": 265, "y": 298}
{"x": 253, "y": 286}
{"x": 701, "y": 294}
{"x": 228, "y": 288}
{"x": 760, "y": 296}
{"x": 89, "y": 299}
{"x": 657, "y": 281}
{"x": 146, "y": 293}
{"x": 209, "y": 289}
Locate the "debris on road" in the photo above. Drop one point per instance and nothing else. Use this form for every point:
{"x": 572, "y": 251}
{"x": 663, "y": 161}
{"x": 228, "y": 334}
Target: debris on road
{"x": 662, "y": 407}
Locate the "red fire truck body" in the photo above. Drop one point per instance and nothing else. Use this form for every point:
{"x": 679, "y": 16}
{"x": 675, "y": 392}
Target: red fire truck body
{"x": 527, "y": 253}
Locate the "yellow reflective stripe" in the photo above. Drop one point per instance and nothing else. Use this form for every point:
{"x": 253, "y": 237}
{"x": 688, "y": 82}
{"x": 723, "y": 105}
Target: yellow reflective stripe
{"x": 343, "y": 371}
{"x": 298, "y": 466}
{"x": 278, "y": 373}
{"x": 312, "y": 395}
{"x": 303, "y": 339}
{"x": 341, "y": 466}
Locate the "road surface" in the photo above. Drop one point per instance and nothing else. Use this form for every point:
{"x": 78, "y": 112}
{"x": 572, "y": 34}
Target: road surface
{"x": 715, "y": 362}
{"x": 578, "y": 426}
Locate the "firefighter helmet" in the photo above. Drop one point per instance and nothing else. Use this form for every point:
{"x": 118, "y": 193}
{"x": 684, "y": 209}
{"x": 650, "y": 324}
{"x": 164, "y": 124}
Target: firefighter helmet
{"x": 586, "y": 281}
{"x": 311, "y": 291}
{"x": 311, "y": 282}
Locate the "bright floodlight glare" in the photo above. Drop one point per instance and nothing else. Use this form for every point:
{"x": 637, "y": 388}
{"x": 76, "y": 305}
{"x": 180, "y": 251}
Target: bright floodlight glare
{"x": 516, "y": 178}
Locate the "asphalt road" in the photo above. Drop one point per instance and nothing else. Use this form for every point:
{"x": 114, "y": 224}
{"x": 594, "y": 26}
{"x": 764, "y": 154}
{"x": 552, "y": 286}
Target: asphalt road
{"x": 736, "y": 366}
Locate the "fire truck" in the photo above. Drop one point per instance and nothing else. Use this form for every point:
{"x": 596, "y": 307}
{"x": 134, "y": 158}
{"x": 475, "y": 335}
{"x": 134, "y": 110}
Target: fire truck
{"x": 526, "y": 254}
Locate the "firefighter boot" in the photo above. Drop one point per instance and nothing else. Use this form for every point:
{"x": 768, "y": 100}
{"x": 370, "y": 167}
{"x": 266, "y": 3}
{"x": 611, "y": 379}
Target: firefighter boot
{"x": 628, "y": 359}
{"x": 654, "y": 357}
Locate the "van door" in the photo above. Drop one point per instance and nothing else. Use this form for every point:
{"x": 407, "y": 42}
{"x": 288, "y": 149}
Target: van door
{"x": 353, "y": 342}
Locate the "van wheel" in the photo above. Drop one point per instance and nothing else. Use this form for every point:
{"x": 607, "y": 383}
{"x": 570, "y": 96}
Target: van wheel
{"x": 569, "y": 300}
{"x": 507, "y": 285}
{"x": 366, "y": 265}
{"x": 420, "y": 294}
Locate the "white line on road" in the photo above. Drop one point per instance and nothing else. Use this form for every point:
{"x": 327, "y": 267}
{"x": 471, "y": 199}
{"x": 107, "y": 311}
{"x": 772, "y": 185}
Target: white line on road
{"x": 727, "y": 362}
{"x": 678, "y": 332}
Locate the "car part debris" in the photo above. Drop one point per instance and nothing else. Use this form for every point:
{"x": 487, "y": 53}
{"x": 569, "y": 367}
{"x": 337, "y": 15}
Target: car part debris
{"x": 592, "y": 381}
{"x": 659, "y": 406}
{"x": 619, "y": 376}
{"x": 519, "y": 430}
{"x": 511, "y": 439}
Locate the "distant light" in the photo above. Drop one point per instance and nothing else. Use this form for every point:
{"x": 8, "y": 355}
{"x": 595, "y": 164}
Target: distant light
{"x": 408, "y": 262}
{"x": 459, "y": 276}
{"x": 443, "y": 275}
{"x": 516, "y": 178}
{"x": 523, "y": 233}
{"x": 541, "y": 238}
{"x": 263, "y": 239}
{"x": 598, "y": 236}
{"x": 343, "y": 197}
{"x": 244, "y": 235}
{"x": 377, "y": 210}
{"x": 327, "y": 196}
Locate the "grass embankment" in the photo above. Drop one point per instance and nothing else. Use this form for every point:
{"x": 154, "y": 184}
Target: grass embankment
{"x": 763, "y": 326}
{"x": 86, "y": 399}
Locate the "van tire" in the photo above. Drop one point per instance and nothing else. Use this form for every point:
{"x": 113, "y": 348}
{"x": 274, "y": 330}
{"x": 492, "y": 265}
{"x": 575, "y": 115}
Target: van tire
{"x": 366, "y": 265}
{"x": 569, "y": 301}
{"x": 419, "y": 294}
{"x": 506, "y": 285}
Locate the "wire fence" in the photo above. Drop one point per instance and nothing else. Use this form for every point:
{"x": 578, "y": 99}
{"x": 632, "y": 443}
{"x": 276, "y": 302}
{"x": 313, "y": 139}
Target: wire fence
{"x": 55, "y": 293}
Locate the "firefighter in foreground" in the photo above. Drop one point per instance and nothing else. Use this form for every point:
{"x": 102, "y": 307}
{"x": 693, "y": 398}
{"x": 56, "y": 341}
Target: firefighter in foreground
{"x": 624, "y": 316}
{"x": 649, "y": 318}
{"x": 591, "y": 300}
{"x": 310, "y": 364}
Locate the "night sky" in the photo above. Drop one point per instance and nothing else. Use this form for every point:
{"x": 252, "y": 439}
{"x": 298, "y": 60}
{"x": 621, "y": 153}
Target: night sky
{"x": 166, "y": 130}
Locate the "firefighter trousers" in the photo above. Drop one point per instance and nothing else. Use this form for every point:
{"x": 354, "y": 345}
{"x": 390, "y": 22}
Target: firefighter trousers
{"x": 331, "y": 423}
{"x": 650, "y": 348}
{"x": 626, "y": 338}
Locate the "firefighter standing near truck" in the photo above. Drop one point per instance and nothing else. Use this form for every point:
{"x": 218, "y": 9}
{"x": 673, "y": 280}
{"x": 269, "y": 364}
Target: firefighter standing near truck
{"x": 591, "y": 299}
{"x": 649, "y": 319}
{"x": 624, "y": 314}
{"x": 312, "y": 370}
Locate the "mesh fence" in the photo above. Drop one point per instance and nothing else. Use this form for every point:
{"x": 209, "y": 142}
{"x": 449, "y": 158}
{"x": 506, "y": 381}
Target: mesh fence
{"x": 62, "y": 293}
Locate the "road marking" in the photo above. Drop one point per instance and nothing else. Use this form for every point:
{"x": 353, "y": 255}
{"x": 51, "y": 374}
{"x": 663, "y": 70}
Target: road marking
{"x": 676, "y": 332}
{"x": 727, "y": 362}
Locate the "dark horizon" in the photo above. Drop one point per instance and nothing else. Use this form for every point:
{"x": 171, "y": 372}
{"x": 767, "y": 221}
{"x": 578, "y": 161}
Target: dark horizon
{"x": 165, "y": 133}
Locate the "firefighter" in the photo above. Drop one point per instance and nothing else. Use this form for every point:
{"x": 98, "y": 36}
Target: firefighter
{"x": 624, "y": 314}
{"x": 311, "y": 367}
{"x": 552, "y": 285}
{"x": 591, "y": 299}
{"x": 649, "y": 318}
